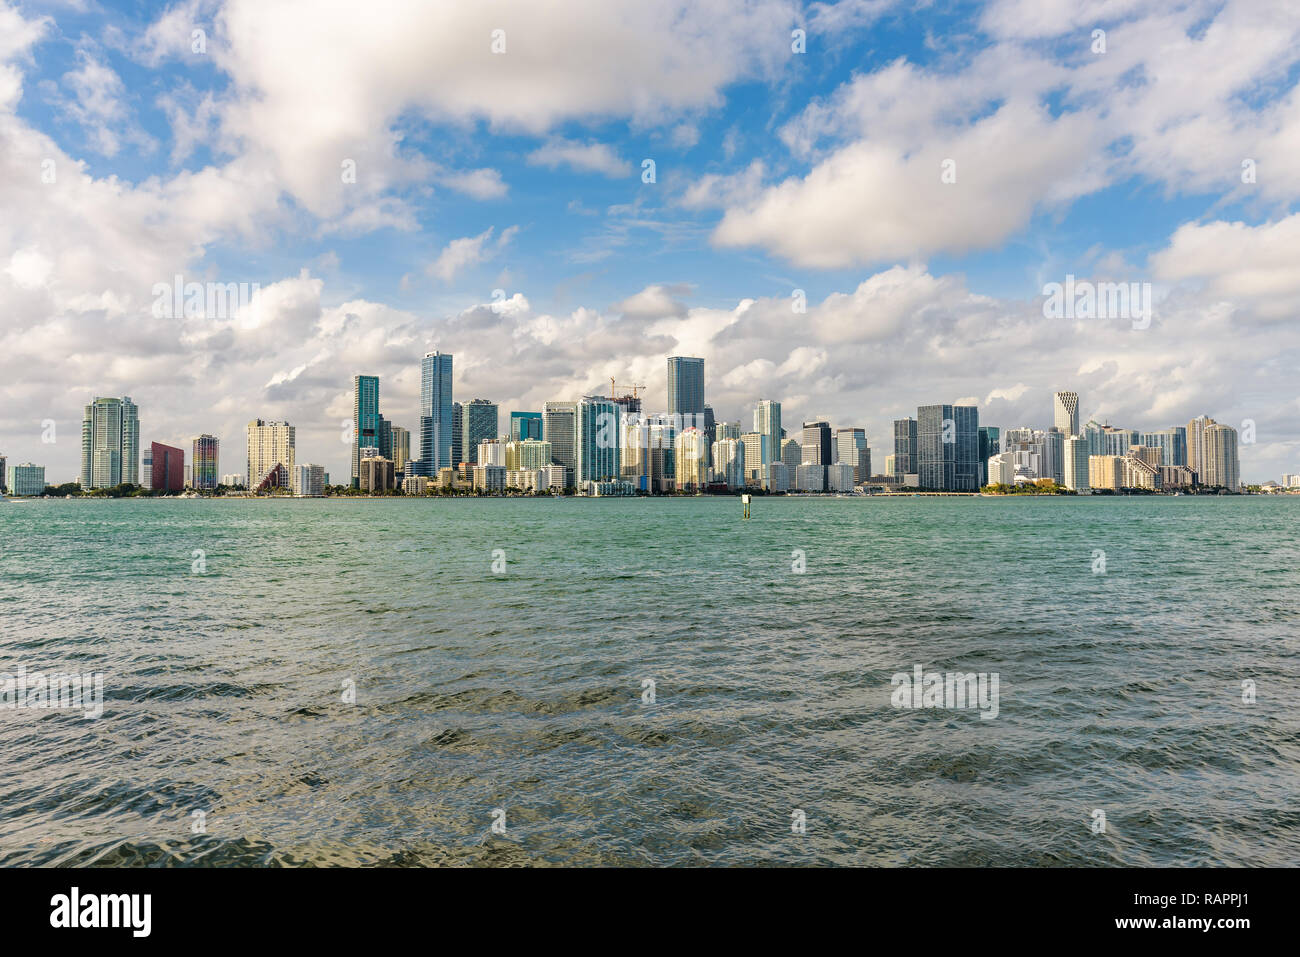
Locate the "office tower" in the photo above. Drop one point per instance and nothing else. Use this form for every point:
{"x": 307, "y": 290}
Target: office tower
{"x": 401, "y": 447}
{"x": 481, "y": 420}
{"x": 596, "y": 439}
{"x": 1219, "y": 457}
{"x": 167, "y": 466}
{"x": 271, "y": 447}
{"x": 947, "y": 445}
{"x": 791, "y": 453}
{"x": 905, "y": 456}
{"x": 729, "y": 462}
{"x": 559, "y": 423}
{"x": 851, "y": 446}
{"x": 365, "y": 419}
{"x": 710, "y": 431}
{"x": 377, "y": 474}
{"x": 435, "y": 414}
{"x": 27, "y": 479}
{"x": 757, "y": 458}
{"x": 526, "y": 425}
{"x": 1065, "y": 412}
{"x": 688, "y": 450}
{"x": 205, "y": 451}
{"x": 1196, "y": 443}
{"x": 1106, "y": 471}
{"x": 990, "y": 445}
{"x": 686, "y": 388}
{"x": 767, "y": 421}
{"x": 1075, "y": 472}
{"x": 1171, "y": 442}
{"x": 110, "y": 443}
{"x": 309, "y": 481}
{"x": 816, "y": 444}
{"x": 4, "y": 486}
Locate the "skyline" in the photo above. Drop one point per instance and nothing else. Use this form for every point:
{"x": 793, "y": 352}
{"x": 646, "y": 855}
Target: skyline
{"x": 451, "y": 204}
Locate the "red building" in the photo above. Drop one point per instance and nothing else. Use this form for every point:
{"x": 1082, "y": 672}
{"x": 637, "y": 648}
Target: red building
{"x": 168, "y": 473}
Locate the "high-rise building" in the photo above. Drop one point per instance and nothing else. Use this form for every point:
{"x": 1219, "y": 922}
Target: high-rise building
{"x": 457, "y": 434}
{"x": 482, "y": 418}
{"x": 401, "y": 442}
{"x": 377, "y": 474}
{"x": 990, "y": 445}
{"x": 205, "y": 453}
{"x": 816, "y": 444}
{"x": 4, "y": 476}
{"x": 905, "y": 455}
{"x": 1219, "y": 457}
{"x": 851, "y": 446}
{"x": 525, "y": 425}
{"x": 271, "y": 445}
{"x": 1196, "y": 444}
{"x": 491, "y": 452}
{"x": 1075, "y": 472}
{"x": 1106, "y": 471}
{"x": 686, "y": 388}
{"x": 1065, "y": 412}
{"x": 1171, "y": 442}
{"x": 692, "y": 466}
{"x": 27, "y": 479}
{"x": 729, "y": 462}
{"x": 559, "y": 424}
{"x": 167, "y": 466}
{"x": 366, "y": 428}
{"x": 233, "y": 479}
{"x": 435, "y": 414}
{"x": 1118, "y": 441}
{"x": 767, "y": 421}
{"x": 757, "y": 458}
{"x": 110, "y": 443}
{"x": 528, "y": 455}
{"x": 596, "y": 440}
{"x": 791, "y": 453}
{"x": 947, "y": 444}
{"x": 309, "y": 481}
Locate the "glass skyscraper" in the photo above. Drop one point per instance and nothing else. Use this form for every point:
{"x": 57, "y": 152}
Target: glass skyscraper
{"x": 435, "y": 414}
{"x": 110, "y": 443}
{"x": 947, "y": 443}
{"x": 596, "y": 439}
{"x": 990, "y": 445}
{"x": 686, "y": 388}
{"x": 480, "y": 422}
{"x": 904, "y": 447}
{"x": 525, "y": 425}
{"x": 365, "y": 419}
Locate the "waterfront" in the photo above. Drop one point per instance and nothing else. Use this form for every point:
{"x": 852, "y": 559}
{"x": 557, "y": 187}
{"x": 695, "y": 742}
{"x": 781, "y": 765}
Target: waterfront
{"x": 1120, "y": 690}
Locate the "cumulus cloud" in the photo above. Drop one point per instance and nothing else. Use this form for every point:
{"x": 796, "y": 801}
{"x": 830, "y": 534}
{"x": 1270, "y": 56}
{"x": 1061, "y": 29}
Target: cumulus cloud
{"x": 469, "y": 251}
{"x": 585, "y": 157}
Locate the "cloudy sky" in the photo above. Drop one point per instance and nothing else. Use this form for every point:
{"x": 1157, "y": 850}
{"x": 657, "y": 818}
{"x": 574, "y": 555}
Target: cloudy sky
{"x": 393, "y": 184}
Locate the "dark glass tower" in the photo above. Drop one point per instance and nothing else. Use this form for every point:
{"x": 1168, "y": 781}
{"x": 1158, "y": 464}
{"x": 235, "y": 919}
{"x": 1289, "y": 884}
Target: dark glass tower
{"x": 947, "y": 442}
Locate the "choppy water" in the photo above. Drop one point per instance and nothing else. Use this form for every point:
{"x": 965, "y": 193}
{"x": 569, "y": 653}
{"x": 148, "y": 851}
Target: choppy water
{"x": 224, "y": 693}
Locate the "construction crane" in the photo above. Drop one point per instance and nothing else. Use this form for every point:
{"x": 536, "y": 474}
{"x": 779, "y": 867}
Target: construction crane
{"x": 613, "y": 389}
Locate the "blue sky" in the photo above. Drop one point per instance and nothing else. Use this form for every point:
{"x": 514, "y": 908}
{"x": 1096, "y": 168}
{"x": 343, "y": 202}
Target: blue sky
{"x": 522, "y": 172}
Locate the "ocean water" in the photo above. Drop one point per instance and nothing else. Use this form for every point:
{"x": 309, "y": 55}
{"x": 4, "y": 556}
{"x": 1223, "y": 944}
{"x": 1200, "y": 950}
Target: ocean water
{"x": 227, "y": 736}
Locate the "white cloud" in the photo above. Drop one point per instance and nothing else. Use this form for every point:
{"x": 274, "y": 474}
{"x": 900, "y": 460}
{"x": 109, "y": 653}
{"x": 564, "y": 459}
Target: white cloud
{"x": 585, "y": 157}
{"x": 469, "y": 251}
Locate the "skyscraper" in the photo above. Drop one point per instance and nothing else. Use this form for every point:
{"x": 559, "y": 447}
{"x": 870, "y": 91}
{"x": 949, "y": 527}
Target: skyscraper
{"x": 205, "y": 453}
{"x": 435, "y": 414}
{"x": 690, "y": 460}
{"x": 851, "y": 445}
{"x": 366, "y": 428}
{"x": 947, "y": 443}
{"x": 816, "y": 444}
{"x": 686, "y": 388}
{"x": 1171, "y": 442}
{"x": 1196, "y": 444}
{"x": 1076, "y": 463}
{"x": 1065, "y": 412}
{"x": 110, "y": 443}
{"x": 401, "y": 442}
{"x": 905, "y": 457}
{"x": 596, "y": 436}
{"x": 1219, "y": 456}
{"x": 481, "y": 418}
{"x": 558, "y": 427}
{"x": 525, "y": 425}
{"x": 457, "y": 434}
{"x": 271, "y": 447}
{"x": 990, "y": 445}
{"x": 767, "y": 421}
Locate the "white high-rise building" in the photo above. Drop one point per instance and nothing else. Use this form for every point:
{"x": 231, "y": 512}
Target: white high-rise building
{"x": 309, "y": 481}
{"x": 729, "y": 462}
{"x": 767, "y": 422}
{"x": 270, "y": 444}
{"x": 110, "y": 443}
{"x": 692, "y": 464}
{"x": 1076, "y": 463}
{"x": 1065, "y": 412}
{"x": 1219, "y": 455}
{"x": 1196, "y": 445}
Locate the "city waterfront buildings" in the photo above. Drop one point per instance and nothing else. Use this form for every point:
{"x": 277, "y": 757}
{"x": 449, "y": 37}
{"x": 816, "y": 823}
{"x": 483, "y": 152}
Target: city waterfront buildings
{"x": 271, "y": 446}
{"x": 948, "y": 448}
{"x": 27, "y": 479}
{"x": 110, "y": 443}
{"x": 167, "y": 468}
{"x": 435, "y": 414}
{"x": 205, "y": 455}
